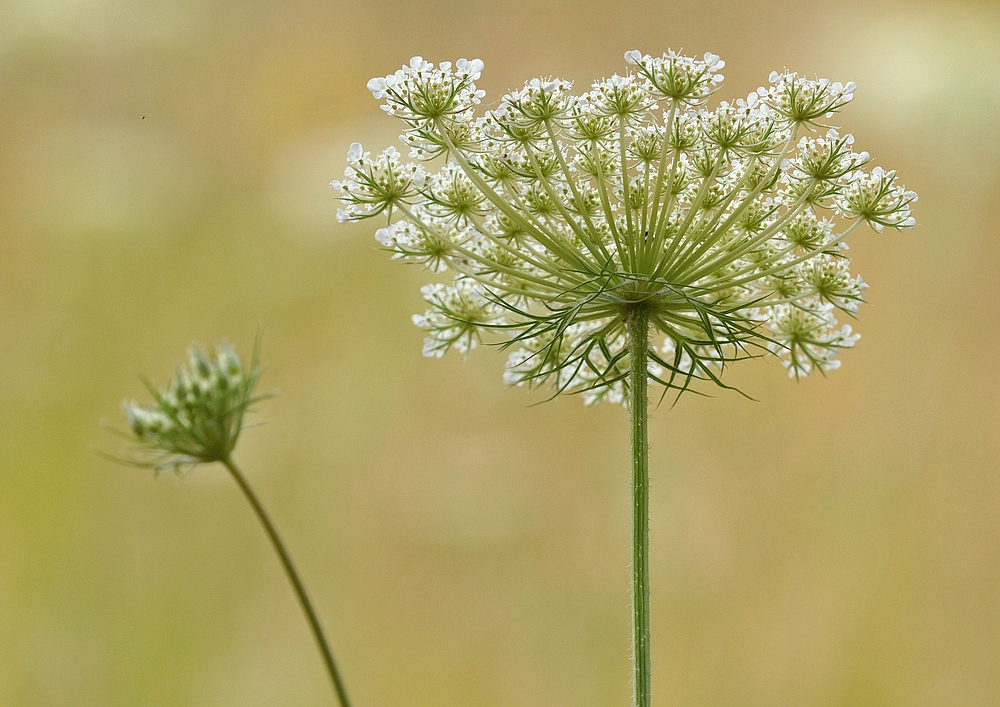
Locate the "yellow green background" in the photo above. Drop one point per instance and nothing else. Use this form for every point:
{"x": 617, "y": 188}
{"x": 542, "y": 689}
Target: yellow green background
{"x": 164, "y": 172}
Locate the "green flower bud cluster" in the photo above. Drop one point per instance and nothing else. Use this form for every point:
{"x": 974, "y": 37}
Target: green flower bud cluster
{"x": 198, "y": 417}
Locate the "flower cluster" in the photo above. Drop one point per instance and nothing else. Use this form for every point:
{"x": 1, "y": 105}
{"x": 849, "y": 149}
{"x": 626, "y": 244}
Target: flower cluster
{"x": 199, "y": 416}
{"x": 560, "y": 214}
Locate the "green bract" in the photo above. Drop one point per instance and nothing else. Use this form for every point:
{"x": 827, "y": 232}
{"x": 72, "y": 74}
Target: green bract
{"x": 559, "y": 214}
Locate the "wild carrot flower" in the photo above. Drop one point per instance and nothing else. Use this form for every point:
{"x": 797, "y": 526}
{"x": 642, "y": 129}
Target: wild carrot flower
{"x": 197, "y": 419}
{"x": 557, "y": 212}
{"x": 578, "y": 224}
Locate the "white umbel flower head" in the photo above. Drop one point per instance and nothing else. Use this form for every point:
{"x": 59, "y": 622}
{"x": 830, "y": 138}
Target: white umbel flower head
{"x": 559, "y": 213}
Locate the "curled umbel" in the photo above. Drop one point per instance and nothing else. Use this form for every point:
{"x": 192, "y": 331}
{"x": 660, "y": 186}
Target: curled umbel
{"x": 198, "y": 416}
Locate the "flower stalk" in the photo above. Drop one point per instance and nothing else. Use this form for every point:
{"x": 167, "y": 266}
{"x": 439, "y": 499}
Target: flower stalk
{"x": 293, "y": 577}
{"x": 637, "y": 323}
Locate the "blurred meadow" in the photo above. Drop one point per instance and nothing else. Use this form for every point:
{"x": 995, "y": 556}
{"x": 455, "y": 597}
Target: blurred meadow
{"x": 164, "y": 178}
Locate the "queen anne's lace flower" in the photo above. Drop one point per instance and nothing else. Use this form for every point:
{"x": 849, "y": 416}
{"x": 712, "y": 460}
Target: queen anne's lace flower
{"x": 198, "y": 417}
{"x": 557, "y": 212}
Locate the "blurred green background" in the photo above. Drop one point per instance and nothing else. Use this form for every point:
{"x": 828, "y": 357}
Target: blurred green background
{"x": 164, "y": 171}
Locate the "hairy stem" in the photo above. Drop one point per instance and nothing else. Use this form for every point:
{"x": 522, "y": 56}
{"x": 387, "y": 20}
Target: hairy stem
{"x": 638, "y": 341}
{"x": 293, "y": 576}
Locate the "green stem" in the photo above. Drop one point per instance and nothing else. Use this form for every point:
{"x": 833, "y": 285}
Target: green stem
{"x": 638, "y": 340}
{"x": 293, "y": 576}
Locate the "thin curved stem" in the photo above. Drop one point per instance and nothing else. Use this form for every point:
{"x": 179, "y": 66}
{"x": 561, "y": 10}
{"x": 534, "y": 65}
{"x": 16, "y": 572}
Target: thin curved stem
{"x": 581, "y": 207}
{"x": 579, "y": 230}
{"x": 609, "y": 215}
{"x": 660, "y": 171}
{"x": 638, "y": 340}
{"x": 626, "y": 198}
{"x": 567, "y": 253}
{"x": 293, "y": 576}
